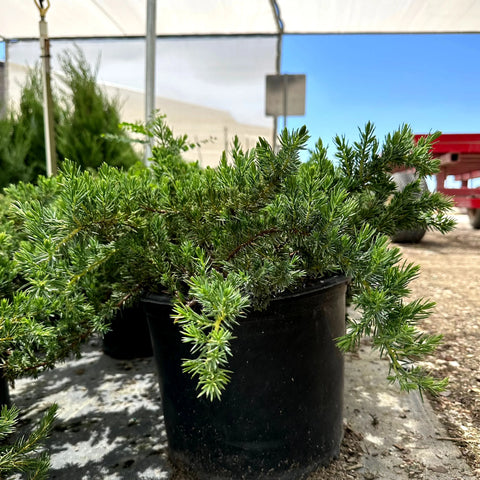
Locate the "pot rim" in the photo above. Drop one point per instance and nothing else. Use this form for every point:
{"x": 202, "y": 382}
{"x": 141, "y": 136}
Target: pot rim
{"x": 318, "y": 285}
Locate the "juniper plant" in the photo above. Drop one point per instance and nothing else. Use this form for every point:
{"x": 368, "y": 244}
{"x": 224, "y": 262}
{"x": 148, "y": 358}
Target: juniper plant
{"x": 224, "y": 240}
{"x": 35, "y": 331}
{"x": 366, "y": 172}
{"x": 23, "y": 455}
{"x": 46, "y": 315}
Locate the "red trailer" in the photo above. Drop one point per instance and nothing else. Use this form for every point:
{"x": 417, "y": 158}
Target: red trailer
{"x": 459, "y": 156}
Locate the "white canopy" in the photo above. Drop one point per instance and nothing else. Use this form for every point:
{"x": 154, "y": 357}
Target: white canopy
{"x": 126, "y": 18}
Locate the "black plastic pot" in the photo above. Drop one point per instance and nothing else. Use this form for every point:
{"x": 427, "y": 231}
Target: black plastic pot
{"x": 281, "y": 415}
{"x": 4, "y": 391}
{"x": 474, "y": 217}
{"x": 129, "y": 336}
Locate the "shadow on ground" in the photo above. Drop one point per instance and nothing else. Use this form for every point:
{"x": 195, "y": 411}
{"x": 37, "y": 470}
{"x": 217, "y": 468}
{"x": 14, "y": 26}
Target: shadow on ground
{"x": 109, "y": 423}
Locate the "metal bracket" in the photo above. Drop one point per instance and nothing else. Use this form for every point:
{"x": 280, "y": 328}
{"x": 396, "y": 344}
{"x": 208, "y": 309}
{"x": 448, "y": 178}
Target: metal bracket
{"x": 41, "y": 8}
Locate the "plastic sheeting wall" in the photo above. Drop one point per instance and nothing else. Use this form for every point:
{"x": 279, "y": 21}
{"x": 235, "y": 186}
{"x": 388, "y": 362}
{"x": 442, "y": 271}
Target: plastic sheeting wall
{"x": 207, "y": 86}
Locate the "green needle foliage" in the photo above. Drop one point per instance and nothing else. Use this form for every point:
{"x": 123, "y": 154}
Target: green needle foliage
{"x": 87, "y": 115}
{"x": 225, "y": 240}
{"x": 36, "y": 330}
{"x": 23, "y": 455}
{"x": 34, "y": 333}
{"x": 367, "y": 172}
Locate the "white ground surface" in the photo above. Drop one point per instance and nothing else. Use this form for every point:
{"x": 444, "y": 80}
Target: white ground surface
{"x": 110, "y": 423}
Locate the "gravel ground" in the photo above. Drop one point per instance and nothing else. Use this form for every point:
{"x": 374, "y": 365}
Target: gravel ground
{"x": 110, "y": 425}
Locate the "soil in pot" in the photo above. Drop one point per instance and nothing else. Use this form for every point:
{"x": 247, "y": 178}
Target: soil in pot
{"x": 281, "y": 416}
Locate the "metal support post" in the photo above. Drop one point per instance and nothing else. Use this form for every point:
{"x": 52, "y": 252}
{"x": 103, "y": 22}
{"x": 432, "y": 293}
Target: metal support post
{"x": 49, "y": 128}
{"x": 4, "y": 82}
{"x": 150, "y": 71}
{"x": 278, "y": 60}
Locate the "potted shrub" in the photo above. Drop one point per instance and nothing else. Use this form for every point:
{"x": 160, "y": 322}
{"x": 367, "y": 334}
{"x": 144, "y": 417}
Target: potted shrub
{"x": 251, "y": 260}
{"x": 10, "y": 275}
{"x": 24, "y": 341}
{"x": 13, "y": 279}
{"x": 121, "y": 340}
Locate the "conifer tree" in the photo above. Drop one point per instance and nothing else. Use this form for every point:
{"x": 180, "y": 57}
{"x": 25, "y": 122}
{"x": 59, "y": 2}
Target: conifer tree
{"x": 87, "y": 115}
{"x": 83, "y": 116}
{"x": 22, "y": 142}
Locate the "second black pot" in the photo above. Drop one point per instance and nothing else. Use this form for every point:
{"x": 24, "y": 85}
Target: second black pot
{"x": 4, "y": 392}
{"x": 129, "y": 336}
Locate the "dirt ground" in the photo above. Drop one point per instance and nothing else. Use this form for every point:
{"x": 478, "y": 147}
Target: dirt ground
{"x": 450, "y": 276}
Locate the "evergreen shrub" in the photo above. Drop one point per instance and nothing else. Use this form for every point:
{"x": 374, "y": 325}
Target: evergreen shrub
{"x": 83, "y": 114}
{"x": 224, "y": 240}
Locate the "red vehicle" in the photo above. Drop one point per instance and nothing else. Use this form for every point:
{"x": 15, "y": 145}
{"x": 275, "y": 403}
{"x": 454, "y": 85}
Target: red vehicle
{"x": 459, "y": 156}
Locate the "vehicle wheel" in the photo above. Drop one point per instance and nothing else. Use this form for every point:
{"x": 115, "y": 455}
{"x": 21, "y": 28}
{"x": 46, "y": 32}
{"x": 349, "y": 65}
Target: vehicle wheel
{"x": 402, "y": 179}
{"x": 474, "y": 217}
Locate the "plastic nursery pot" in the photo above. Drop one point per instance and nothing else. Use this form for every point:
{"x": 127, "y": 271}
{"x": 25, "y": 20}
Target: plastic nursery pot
{"x": 402, "y": 179}
{"x": 281, "y": 416}
{"x": 129, "y": 336}
{"x": 4, "y": 391}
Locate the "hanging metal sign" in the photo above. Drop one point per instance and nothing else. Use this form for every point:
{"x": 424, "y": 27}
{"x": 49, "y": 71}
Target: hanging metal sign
{"x": 285, "y": 95}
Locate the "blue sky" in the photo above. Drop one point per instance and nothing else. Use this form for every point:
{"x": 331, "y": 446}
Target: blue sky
{"x": 428, "y": 81}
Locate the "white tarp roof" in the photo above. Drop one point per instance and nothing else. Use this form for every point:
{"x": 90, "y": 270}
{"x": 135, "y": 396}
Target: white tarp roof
{"x": 124, "y": 18}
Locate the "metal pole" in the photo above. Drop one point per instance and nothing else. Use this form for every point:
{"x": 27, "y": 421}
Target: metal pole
{"x": 285, "y": 99}
{"x": 4, "y": 82}
{"x": 150, "y": 71}
{"x": 225, "y": 139}
{"x": 278, "y": 59}
{"x": 49, "y": 128}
